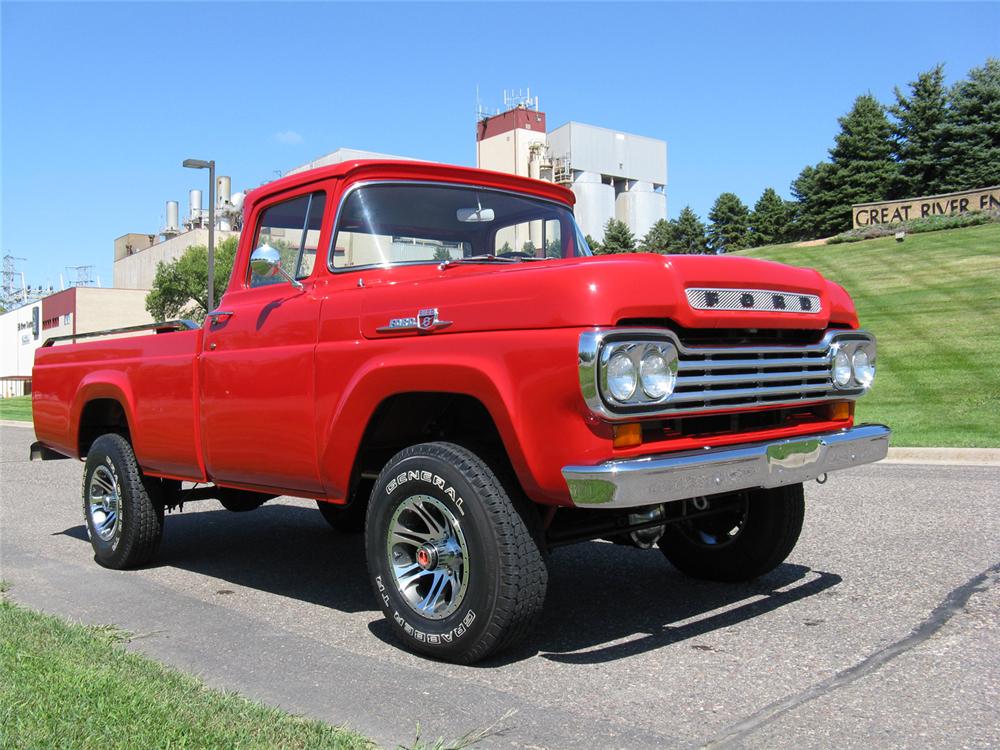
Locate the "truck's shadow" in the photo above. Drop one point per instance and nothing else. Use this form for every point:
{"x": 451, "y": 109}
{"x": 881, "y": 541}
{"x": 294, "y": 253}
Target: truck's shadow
{"x": 604, "y": 601}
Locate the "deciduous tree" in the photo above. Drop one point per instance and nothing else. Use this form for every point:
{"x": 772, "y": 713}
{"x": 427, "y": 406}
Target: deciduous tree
{"x": 180, "y": 287}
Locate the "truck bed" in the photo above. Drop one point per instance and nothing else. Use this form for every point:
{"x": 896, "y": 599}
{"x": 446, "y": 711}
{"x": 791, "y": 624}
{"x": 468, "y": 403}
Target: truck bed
{"x": 155, "y": 377}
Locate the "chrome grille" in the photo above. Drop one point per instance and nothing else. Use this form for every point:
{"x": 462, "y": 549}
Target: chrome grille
{"x": 713, "y": 378}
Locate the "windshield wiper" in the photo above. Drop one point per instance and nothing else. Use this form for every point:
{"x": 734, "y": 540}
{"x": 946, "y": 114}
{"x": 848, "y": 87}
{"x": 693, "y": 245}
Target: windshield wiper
{"x": 488, "y": 258}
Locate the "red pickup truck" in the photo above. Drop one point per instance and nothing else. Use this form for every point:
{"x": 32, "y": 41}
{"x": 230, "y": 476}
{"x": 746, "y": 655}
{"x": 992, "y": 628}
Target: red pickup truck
{"x": 433, "y": 354}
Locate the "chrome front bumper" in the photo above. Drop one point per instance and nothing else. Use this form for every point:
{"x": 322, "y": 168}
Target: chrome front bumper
{"x": 678, "y": 476}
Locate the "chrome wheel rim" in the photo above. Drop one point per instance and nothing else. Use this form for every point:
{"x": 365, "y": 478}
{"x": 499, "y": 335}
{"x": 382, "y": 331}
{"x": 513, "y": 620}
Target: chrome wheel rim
{"x": 428, "y": 556}
{"x": 103, "y": 503}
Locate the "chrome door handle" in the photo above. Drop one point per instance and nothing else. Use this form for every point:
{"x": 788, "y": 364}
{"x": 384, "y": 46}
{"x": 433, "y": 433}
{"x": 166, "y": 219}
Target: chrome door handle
{"x": 220, "y": 315}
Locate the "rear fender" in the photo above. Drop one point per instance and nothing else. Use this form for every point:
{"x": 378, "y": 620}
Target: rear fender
{"x": 110, "y": 384}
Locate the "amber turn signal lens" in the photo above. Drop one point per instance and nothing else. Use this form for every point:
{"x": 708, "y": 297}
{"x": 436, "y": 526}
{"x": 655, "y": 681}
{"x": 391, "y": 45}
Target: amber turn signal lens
{"x": 841, "y": 410}
{"x": 628, "y": 435}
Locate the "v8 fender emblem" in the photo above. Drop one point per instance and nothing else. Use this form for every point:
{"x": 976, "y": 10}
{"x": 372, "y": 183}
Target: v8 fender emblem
{"x": 426, "y": 321}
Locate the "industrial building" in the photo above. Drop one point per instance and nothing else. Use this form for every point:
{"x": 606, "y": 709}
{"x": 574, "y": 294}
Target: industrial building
{"x": 614, "y": 175}
{"x": 75, "y": 310}
{"x": 137, "y": 255}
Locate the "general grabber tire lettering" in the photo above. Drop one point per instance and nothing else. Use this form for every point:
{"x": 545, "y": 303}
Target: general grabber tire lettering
{"x": 456, "y": 564}
{"x": 740, "y": 545}
{"x": 122, "y": 510}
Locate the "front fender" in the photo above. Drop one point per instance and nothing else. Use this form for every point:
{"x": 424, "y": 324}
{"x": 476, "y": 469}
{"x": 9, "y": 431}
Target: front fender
{"x": 527, "y": 382}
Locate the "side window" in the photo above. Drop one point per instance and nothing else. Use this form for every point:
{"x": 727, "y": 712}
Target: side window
{"x": 292, "y": 228}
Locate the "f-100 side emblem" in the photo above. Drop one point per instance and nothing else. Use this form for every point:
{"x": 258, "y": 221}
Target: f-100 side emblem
{"x": 426, "y": 320}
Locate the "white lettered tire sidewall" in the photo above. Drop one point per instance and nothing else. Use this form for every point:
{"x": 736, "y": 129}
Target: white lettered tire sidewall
{"x": 495, "y": 610}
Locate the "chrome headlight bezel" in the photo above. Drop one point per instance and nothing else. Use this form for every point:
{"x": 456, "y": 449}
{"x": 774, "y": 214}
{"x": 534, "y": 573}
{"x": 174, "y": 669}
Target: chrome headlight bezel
{"x": 849, "y": 348}
{"x": 637, "y": 352}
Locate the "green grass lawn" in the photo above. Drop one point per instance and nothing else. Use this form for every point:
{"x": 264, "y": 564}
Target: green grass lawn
{"x": 18, "y": 407}
{"x": 933, "y": 302}
{"x": 71, "y": 686}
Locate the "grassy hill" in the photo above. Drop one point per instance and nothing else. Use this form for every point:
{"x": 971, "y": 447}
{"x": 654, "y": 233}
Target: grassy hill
{"x": 933, "y": 302}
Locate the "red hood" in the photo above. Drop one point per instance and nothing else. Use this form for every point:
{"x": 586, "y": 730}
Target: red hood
{"x": 599, "y": 291}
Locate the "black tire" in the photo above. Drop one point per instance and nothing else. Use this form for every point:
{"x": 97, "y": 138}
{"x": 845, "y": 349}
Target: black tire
{"x": 769, "y": 523}
{"x": 241, "y": 501}
{"x": 504, "y": 574}
{"x": 138, "y": 528}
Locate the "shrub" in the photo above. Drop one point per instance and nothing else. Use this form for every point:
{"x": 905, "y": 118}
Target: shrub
{"x": 915, "y": 226}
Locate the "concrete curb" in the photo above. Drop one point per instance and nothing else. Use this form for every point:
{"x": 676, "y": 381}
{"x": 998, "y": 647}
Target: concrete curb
{"x": 951, "y": 456}
{"x": 16, "y": 423}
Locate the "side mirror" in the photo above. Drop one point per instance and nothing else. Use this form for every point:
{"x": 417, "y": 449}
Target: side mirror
{"x": 265, "y": 261}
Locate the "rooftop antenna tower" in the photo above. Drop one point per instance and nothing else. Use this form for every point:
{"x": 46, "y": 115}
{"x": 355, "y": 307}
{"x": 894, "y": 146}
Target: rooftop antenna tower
{"x": 519, "y": 100}
{"x": 84, "y": 275}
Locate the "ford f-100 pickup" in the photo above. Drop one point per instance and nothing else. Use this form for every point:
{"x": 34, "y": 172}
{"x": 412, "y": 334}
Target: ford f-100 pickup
{"x": 434, "y": 355}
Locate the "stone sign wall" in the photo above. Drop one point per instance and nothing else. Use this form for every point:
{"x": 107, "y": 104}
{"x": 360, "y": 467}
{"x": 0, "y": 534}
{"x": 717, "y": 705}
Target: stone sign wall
{"x": 892, "y": 212}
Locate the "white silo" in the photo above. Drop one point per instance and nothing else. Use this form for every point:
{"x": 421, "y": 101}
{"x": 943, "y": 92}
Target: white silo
{"x": 640, "y": 205}
{"x": 194, "y": 203}
{"x": 595, "y": 203}
{"x": 172, "y": 226}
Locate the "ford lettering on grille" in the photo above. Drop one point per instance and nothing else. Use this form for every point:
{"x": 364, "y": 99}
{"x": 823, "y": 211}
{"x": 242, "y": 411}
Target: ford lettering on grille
{"x": 765, "y": 300}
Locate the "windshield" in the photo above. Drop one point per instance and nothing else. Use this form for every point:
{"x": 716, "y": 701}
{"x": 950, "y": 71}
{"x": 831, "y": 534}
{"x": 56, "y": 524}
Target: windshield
{"x": 391, "y": 223}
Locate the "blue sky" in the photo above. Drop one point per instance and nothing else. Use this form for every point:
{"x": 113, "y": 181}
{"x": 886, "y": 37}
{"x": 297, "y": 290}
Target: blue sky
{"x": 102, "y": 102}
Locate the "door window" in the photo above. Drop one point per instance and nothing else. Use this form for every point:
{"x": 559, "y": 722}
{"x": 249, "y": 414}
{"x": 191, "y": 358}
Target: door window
{"x": 292, "y": 228}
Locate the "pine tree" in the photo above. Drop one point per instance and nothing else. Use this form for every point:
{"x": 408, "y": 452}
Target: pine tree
{"x": 618, "y": 238}
{"x": 594, "y": 245}
{"x": 688, "y": 233}
{"x": 817, "y": 213}
{"x": 730, "y": 224}
{"x": 919, "y": 135}
{"x": 658, "y": 239}
{"x": 769, "y": 220}
{"x": 972, "y": 134}
{"x": 862, "y": 154}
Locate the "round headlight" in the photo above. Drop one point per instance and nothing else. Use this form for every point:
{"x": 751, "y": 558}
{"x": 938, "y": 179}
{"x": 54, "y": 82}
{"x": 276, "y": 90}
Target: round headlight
{"x": 658, "y": 372}
{"x": 841, "y": 370}
{"x": 622, "y": 377}
{"x": 864, "y": 370}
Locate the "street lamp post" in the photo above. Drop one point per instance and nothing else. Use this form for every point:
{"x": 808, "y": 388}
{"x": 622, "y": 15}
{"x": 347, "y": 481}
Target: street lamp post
{"x": 210, "y": 166}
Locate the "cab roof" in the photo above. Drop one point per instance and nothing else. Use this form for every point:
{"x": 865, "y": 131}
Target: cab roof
{"x": 418, "y": 171}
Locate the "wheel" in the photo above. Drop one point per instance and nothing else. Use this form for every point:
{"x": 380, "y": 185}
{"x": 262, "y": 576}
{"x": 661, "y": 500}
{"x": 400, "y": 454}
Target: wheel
{"x": 123, "y": 510}
{"x": 740, "y": 544}
{"x": 457, "y": 569}
{"x": 241, "y": 501}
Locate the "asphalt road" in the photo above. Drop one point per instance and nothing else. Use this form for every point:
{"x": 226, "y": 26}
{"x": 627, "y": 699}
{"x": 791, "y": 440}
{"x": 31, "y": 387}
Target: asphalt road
{"x": 882, "y": 628}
